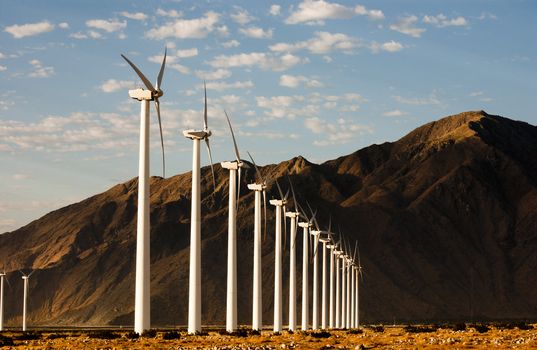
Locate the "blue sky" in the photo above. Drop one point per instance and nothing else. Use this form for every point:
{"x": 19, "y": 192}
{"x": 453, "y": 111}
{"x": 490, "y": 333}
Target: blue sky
{"x": 316, "y": 78}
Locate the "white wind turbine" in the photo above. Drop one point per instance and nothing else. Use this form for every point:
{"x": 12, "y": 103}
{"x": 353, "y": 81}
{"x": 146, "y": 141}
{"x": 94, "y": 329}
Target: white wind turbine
{"x": 234, "y": 167}
{"x": 354, "y": 271}
{"x": 194, "y": 281}
{"x": 348, "y": 261}
{"x": 337, "y": 253}
{"x": 359, "y": 274}
{"x": 325, "y": 240}
{"x": 293, "y": 216}
{"x": 332, "y": 246}
{"x": 2, "y": 276}
{"x": 343, "y": 258}
{"x": 315, "y": 319}
{"x": 25, "y": 278}
{"x": 305, "y": 268}
{"x": 279, "y": 204}
{"x": 142, "y": 318}
{"x": 257, "y": 306}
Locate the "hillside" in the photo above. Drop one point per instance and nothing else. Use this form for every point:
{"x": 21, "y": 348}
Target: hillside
{"x": 446, "y": 218}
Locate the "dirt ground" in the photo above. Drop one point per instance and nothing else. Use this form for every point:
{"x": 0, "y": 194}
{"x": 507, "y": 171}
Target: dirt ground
{"x": 373, "y": 337}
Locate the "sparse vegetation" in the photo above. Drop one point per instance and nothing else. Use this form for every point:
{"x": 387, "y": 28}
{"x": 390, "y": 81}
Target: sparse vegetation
{"x": 132, "y": 335}
{"x": 171, "y": 335}
{"x": 5, "y": 341}
{"x": 28, "y": 336}
{"x": 150, "y": 333}
{"x": 481, "y": 328}
{"x": 104, "y": 334}
{"x": 420, "y": 329}
{"x": 320, "y": 334}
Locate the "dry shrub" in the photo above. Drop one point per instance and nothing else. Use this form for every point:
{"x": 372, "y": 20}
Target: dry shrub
{"x": 104, "y": 334}
{"x": 458, "y": 327}
{"x": 132, "y": 335}
{"x": 171, "y": 335}
{"x": 420, "y": 329}
{"x": 28, "y": 336}
{"x": 321, "y": 334}
{"x": 481, "y": 328}
{"x": 5, "y": 341}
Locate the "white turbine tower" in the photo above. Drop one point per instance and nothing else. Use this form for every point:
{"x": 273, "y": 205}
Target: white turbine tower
{"x": 343, "y": 258}
{"x": 332, "y": 302}
{"x": 234, "y": 167}
{"x": 194, "y": 281}
{"x": 315, "y": 307}
{"x": 325, "y": 240}
{"x": 359, "y": 274}
{"x": 257, "y": 305}
{"x": 305, "y": 269}
{"x": 2, "y": 276}
{"x": 353, "y": 287}
{"x": 294, "y": 217}
{"x": 25, "y": 278}
{"x": 337, "y": 254}
{"x": 279, "y": 205}
{"x": 142, "y": 318}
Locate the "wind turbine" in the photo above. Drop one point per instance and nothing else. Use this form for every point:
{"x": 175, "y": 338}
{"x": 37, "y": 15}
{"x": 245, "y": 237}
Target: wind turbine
{"x": 194, "y": 281}
{"x": 234, "y": 196}
{"x": 325, "y": 240}
{"x": 293, "y": 216}
{"x": 278, "y": 204}
{"x": 25, "y": 278}
{"x": 337, "y": 254}
{"x": 332, "y": 303}
{"x": 2, "y": 275}
{"x": 142, "y": 318}
{"x": 348, "y": 261}
{"x": 343, "y": 258}
{"x": 359, "y": 274}
{"x": 305, "y": 262}
{"x": 257, "y": 306}
{"x": 315, "y": 319}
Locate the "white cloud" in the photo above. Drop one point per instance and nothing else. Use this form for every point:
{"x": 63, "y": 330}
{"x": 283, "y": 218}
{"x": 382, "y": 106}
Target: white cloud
{"x": 2, "y": 56}
{"x": 394, "y": 113}
{"x": 476, "y": 93}
{"x": 371, "y": 14}
{"x": 19, "y": 177}
{"x": 231, "y": 43}
{"x": 340, "y": 132}
{"x": 222, "y": 31}
{"x": 275, "y": 10}
{"x": 214, "y": 75}
{"x": 242, "y": 17}
{"x": 441, "y": 21}
{"x": 138, "y": 16}
{"x": 418, "y": 101}
{"x": 186, "y": 28}
{"x": 187, "y": 53}
{"x": 94, "y": 35}
{"x": 40, "y": 71}
{"x": 63, "y": 25}
{"x": 322, "y": 43}
{"x": 30, "y": 29}
{"x": 294, "y": 81}
{"x": 487, "y": 15}
{"x": 221, "y": 85}
{"x": 3, "y": 68}
{"x": 316, "y": 11}
{"x": 180, "y": 68}
{"x": 259, "y": 59}
{"x": 109, "y": 26}
{"x": 112, "y": 85}
{"x": 289, "y": 107}
{"x": 390, "y": 46}
{"x": 407, "y": 26}
{"x": 169, "y": 13}
{"x": 256, "y": 32}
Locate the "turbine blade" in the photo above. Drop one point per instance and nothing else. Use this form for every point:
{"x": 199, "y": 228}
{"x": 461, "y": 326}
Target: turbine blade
{"x": 205, "y": 125}
{"x": 238, "y": 190}
{"x": 255, "y": 166}
{"x": 146, "y": 82}
{"x": 157, "y": 107}
{"x": 211, "y": 160}
{"x": 31, "y": 273}
{"x": 161, "y": 72}
{"x": 279, "y": 189}
{"x": 233, "y": 137}
{"x": 265, "y": 213}
{"x": 292, "y": 191}
{"x": 355, "y": 247}
{"x": 284, "y": 228}
{"x": 286, "y": 195}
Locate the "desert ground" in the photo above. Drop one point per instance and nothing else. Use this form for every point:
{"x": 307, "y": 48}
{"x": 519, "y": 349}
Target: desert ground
{"x": 456, "y": 336}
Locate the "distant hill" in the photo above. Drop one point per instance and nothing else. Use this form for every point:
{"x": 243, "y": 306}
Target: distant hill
{"x": 446, "y": 218}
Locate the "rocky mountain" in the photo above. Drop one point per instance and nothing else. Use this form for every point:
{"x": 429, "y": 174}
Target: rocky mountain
{"x": 446, "y": 219}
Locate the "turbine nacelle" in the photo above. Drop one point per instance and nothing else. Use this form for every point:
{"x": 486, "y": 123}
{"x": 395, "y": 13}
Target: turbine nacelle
{"x": 292, "y": 214}
{"x": 234, "y": 165}
{"x": 256, "y": 187}
{"x": 315, "y": 232}
{"x": 278, "y": 202}
{"x": 197, "y": 134}
{"x": 304, "y": 224}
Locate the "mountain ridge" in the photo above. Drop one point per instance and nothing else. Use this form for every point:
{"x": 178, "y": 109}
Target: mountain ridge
{"x": 443, "y": 215}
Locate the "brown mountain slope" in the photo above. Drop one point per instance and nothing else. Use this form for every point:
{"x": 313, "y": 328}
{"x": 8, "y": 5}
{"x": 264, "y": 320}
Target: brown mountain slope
{"x": 446, "y": 218}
